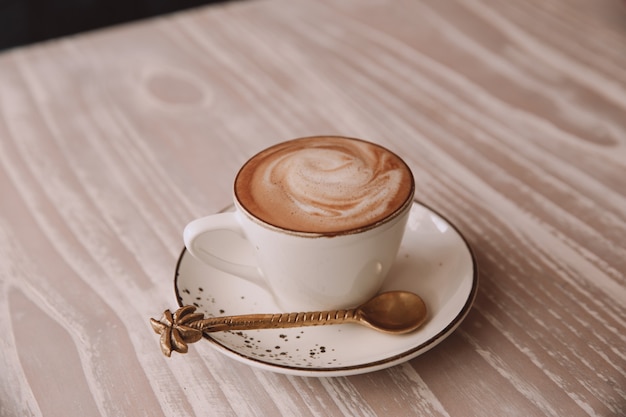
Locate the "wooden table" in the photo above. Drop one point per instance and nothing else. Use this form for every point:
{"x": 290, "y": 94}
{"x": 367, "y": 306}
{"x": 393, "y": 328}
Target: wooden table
{"x": 512, "y": 116}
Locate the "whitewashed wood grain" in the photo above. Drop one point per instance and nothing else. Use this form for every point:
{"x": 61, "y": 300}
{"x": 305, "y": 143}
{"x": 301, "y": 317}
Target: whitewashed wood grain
{"x": 511, "y": 115}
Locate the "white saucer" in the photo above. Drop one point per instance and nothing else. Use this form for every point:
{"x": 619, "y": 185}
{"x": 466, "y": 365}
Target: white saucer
{"x": 434, "y": 261}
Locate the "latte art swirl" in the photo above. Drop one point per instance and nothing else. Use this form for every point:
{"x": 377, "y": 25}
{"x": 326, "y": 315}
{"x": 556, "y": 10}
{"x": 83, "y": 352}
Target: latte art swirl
{"x": 324, "y": 184}
{"x": 332, "y": 183}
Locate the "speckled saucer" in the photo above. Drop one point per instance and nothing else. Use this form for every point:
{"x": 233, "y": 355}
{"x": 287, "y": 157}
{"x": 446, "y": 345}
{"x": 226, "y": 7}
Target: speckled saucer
{"x": 434, "y": 261}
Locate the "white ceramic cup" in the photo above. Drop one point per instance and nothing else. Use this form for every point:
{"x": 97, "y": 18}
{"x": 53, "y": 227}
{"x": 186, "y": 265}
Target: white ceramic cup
{"x": 304, "y": 270}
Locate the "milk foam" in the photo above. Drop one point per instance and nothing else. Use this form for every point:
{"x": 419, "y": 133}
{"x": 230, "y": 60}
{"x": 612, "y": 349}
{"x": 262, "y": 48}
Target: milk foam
{"x": 324, "y": 184}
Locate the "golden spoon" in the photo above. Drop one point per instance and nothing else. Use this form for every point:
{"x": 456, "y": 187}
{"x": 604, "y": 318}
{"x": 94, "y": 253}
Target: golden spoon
{"x": 395, "y": 312}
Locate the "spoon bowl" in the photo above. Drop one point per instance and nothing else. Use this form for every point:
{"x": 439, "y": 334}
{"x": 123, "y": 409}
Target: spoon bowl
{"x": 393, "y": 312}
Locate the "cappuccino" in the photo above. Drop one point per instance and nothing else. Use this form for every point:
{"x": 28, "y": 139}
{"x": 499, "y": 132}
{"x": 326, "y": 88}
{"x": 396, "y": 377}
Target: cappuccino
{"x": 324, "y": 185}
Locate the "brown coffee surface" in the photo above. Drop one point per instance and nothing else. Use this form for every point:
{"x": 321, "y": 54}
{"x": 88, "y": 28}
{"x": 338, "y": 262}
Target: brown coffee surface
{"x": 324, "y": 184}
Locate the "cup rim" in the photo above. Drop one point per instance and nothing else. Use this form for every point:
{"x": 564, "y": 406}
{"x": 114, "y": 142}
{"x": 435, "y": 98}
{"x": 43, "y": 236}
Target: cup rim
{"x": 405, "y": 206}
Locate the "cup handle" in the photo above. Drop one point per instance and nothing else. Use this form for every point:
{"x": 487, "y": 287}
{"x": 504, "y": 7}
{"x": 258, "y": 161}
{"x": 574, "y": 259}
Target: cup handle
{"x": 219, "y": 222}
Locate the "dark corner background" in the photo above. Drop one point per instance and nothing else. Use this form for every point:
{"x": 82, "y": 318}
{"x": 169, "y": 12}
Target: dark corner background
{"x": 26, "y": 21}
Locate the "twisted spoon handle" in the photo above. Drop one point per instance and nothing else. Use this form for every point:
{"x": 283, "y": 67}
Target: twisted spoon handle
{"x": 275, "y": 321}
{"x": 184, "y": 326}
